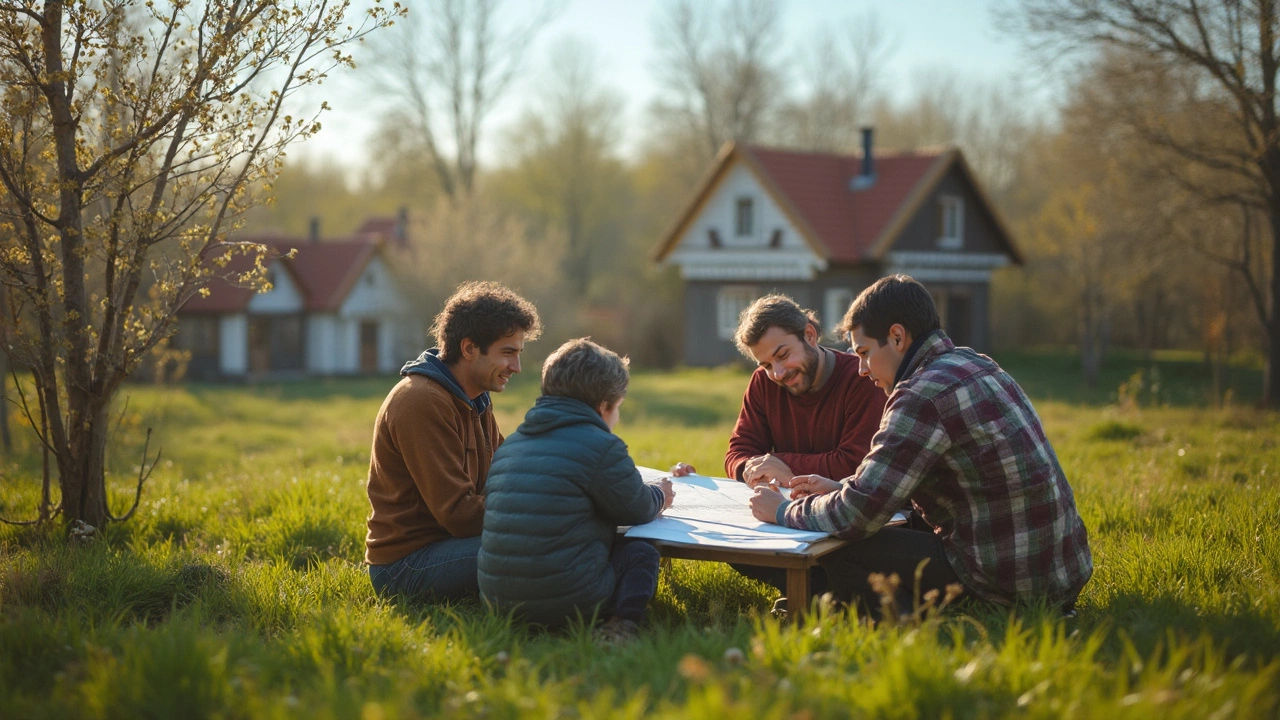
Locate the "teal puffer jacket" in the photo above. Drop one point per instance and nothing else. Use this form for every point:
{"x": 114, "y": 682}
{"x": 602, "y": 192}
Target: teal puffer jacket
{"x": 558, "y": 489}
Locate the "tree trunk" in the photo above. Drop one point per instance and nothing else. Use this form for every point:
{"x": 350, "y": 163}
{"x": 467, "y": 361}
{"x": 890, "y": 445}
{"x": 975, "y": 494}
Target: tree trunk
{"x": 1092, "y": 334}
{"x": 1271, "y": 378}
{"x": 1271, "y": 331}
{"x": 81, "y": 469}
{"x": 5, "y": 440}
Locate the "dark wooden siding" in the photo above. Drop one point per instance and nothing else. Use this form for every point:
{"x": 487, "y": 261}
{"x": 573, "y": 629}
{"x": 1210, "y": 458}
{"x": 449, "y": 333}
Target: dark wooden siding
{"x": 980, "y": 229}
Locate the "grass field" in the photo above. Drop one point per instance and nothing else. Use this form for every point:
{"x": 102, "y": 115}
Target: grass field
{"x": 238, "y": 591}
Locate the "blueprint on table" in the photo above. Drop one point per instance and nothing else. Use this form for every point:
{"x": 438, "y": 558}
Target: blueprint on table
{"x": 715, "y": 512}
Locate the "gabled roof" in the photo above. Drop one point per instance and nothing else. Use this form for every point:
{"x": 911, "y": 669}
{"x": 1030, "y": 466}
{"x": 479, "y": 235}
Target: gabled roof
{"x": 813, "y": 189}
{"x": 324, "y": 271}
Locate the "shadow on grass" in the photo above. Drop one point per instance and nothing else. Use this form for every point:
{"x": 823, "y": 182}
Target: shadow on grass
{"x": 106, "y": 585}
{"x": 1149, "y": 623}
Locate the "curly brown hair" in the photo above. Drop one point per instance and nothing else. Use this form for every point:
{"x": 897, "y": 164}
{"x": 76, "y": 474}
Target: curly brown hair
{"x": 482, "y": 312}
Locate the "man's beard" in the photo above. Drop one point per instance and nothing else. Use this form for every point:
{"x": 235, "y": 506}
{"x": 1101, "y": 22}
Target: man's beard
{"x": 808, "y": 373}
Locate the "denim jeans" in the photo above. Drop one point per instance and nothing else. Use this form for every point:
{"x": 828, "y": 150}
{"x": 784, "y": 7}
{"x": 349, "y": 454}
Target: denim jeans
{"x": 445, "y": 569}
{"x": 635, "y": 570}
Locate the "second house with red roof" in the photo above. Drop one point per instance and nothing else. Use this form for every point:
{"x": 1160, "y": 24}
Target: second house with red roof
{"x": 821, "y": 227}
{"x": 334, "y": 308}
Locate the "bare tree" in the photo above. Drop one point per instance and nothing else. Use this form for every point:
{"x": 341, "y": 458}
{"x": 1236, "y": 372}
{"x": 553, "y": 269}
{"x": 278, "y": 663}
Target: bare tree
{"x": 843, "y": 73}
{"x": 723, "y": 75}
{"x": 986, "y": 120}
{"x": 444, "y": 70}
{"x": 566, "y": 173}
{"x": 1227, "y": 52}
{"x": 133, "y": 133}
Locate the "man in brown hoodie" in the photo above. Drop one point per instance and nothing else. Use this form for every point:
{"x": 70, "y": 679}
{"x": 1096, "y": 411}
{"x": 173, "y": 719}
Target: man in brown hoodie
{"x": 433, "y": 440}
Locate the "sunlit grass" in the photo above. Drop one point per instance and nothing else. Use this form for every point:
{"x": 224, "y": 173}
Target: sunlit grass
{"x": 238, "y": 589}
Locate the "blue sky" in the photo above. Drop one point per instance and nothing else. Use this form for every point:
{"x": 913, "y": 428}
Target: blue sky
{"x": 957, "y": 35}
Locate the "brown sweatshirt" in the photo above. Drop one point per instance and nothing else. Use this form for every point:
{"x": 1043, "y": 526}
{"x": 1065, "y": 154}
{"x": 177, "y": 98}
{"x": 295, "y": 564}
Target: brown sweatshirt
{"x": 431, "y": 454}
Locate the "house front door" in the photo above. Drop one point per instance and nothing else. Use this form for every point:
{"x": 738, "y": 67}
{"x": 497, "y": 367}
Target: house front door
{"x": 368, "y": 346}
{"x": 259, "y": 345}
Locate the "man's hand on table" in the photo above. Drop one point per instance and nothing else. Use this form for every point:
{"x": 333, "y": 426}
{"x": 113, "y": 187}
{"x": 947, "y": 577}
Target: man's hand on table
{"x": 761, "y": 469}
{"x": 764, "y": 504}
{"x": 681, "y": 469}
{"x": 668, "y": 492}
{"x": 805, "y": 485}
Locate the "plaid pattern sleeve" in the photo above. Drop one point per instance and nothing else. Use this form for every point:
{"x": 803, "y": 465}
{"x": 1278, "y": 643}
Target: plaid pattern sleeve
{"x": 962, "y": 442}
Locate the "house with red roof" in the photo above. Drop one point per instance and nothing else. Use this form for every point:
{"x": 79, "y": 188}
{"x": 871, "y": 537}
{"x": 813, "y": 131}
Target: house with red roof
{"x": 821, "y": 227}
{"x": 334, "y": 308}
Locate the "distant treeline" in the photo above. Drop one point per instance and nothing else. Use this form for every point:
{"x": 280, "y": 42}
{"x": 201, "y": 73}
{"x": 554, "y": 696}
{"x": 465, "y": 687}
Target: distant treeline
{"x": 1122, "y": 246}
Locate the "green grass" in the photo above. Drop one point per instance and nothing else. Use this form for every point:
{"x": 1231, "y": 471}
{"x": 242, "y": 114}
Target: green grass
{"x": 238, "y": 591}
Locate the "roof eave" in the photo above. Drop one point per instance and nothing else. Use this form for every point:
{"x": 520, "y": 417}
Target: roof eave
{"x": 908, "y": 209}
{"x": 788, "y": 208}
{"x": 705, "y": 186}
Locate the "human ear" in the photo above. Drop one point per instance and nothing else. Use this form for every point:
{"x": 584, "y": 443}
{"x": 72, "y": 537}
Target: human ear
{"x": 810, "y": 334}
{"x": 469, "y": 349}
{"x": 899, "y": 336}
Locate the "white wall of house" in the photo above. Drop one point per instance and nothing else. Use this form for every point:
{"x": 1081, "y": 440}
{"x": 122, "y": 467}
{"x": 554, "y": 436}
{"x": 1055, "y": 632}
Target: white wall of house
{"x": 743, "y": 257}
{"x": 322, "y": 352}
{"x": 375, "y": 297}
{"x": 233, "y": 344}
{"x": 284, "y": 296}
{"x": 333, "y": 339}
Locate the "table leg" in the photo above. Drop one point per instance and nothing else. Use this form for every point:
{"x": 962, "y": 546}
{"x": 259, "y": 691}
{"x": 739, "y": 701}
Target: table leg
{"x": 797, "y": 592}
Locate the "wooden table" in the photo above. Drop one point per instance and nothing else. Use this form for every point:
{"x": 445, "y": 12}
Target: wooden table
{"x": 796, "y": 563}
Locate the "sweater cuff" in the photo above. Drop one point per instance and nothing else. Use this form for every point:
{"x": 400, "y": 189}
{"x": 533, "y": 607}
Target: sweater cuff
{"x": 780, "y": 516}
{"x": 659, "y": 497}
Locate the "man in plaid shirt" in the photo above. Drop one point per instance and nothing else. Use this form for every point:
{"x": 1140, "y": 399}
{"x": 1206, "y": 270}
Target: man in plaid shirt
{"x": 960, "y": 440}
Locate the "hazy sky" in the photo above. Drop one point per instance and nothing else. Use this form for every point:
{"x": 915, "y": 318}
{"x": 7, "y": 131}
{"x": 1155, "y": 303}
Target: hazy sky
{"x": 958, "y": 35}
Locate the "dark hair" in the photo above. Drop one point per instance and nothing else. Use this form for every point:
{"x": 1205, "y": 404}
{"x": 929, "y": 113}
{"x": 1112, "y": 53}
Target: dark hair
{"x": 771, "y": 311}
{"x": 893, "y": 300}
{"x": 482, "y": 312}
{"x": 583, "y": 370}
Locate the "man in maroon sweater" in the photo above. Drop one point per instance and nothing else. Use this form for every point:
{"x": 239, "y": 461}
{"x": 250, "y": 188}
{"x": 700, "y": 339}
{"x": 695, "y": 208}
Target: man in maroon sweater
{"x": 806, "y": 409}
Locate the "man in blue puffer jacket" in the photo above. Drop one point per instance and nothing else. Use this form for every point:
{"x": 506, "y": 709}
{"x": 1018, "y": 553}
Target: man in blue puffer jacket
{"x": 558, "y": 489}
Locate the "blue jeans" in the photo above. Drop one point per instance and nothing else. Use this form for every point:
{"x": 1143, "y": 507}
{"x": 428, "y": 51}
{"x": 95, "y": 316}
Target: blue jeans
{"x": 445, "y": 569}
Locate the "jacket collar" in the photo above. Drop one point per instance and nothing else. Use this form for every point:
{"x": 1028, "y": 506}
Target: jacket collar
{"x": 922, "y": 352}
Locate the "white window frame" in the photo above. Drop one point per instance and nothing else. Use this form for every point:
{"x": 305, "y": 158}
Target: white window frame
{"x": 950, "y": 207}
{"x": 731, "y": 300}
{"x": 836, "y": 304}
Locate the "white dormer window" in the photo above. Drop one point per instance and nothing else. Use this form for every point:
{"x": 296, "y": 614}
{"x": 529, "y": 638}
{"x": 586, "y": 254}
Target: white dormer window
{"x": 730, "y": 302}
{"x": 950, "y": 222}
{"x": 744, "y": 220}
{"x": 838, "y": 301}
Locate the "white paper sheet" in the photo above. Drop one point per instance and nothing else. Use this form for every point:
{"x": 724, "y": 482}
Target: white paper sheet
{"x": 716, "y": 512}
{"x": 696, "y": 532}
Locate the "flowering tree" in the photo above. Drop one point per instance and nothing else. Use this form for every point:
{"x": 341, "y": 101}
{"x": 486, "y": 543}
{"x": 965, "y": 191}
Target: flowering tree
{"x": 132, "y": 136}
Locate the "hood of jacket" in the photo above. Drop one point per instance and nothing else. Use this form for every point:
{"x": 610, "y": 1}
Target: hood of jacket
{"x": 430, "y": 364}
{"x": 551, "y": 412}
